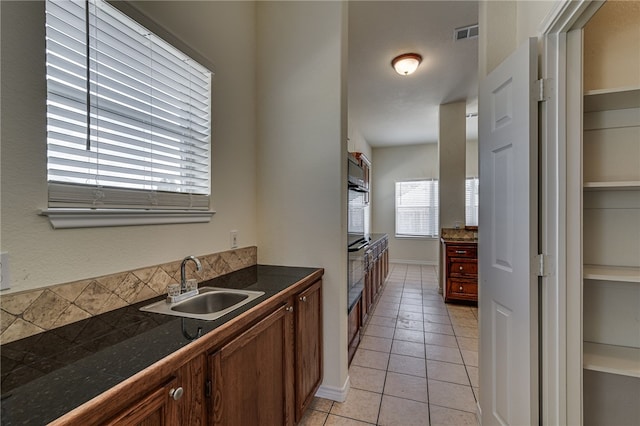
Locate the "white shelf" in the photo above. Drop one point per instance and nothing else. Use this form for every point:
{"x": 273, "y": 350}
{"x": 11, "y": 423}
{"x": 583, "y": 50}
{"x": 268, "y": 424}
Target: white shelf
{"x": 622, "y": 98}
{"x": 620, "y": 185}
{"x": 612, "y": 273}
{"x": 620, "y": 360}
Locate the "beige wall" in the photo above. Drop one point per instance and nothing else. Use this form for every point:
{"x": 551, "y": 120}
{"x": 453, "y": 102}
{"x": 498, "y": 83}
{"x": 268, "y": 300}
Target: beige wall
{"x": 504, "y": 25}
{"x": 471, "y": 155}
{"x": 401, "y": 163}
{"x": 611, "y": 57}
{"x": 302, "y": 133}
{"x": 451, "y": 163}
{"x": 394, "y": 164}
{"x": 40, "y": 256}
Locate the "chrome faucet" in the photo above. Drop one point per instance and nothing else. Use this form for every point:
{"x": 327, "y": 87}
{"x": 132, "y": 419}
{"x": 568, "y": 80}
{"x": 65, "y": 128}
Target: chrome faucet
{"x": 183, "y": 273}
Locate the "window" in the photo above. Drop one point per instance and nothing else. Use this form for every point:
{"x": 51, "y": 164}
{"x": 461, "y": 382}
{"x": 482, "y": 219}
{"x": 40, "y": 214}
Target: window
{"x": 128, "y": 115}
{"x": 471, "y": 201}
{"x": 417, "y": 208}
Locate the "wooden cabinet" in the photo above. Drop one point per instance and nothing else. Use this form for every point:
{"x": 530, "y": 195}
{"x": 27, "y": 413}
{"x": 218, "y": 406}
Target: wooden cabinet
{"x": 461, "y": 271}
{"x": 308, "y": 346}
{"x": 376, "y": 272}
{"x": 354, "y": 324}
{"x": 253, "y": 373}
{"x": 178, "y": 401}
{"x": 156, "y": 408}
{"x": 611, "y": 256}
{"x": 269, "y": 374}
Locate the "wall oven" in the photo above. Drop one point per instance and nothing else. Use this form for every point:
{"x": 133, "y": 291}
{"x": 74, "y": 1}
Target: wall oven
{"x": 358, "y": 240}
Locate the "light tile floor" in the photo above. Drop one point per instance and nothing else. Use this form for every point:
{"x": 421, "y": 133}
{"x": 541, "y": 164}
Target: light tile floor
{"x": 417, "y": 363}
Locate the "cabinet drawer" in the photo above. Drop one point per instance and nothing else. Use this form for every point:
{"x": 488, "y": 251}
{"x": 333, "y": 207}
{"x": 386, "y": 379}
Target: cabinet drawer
{"x": 463, "y": 289}
{"x": 462, "y": 250}
{"x": 463, "y": 267}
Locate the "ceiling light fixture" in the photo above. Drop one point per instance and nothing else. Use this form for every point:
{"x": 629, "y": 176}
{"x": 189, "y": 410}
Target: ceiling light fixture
{"x": 406, "y": 63}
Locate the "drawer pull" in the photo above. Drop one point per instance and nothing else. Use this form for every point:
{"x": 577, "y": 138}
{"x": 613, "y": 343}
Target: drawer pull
{"x": 461, "y": 252}
{"x": 289, "y": 309}
{"x": 461, "y": 268}
{"x": 176, "y": 394}
{"x": 460, "y": 288}
{"x": 303, "y": 299}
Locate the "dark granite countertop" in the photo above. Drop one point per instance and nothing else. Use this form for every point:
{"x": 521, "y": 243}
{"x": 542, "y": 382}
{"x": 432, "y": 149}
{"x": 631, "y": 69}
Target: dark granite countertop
{"x": 49, "y": 374}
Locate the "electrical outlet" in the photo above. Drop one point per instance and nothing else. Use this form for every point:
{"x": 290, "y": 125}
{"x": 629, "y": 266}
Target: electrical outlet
{"x": 5, "y": 279}
{"x": 234, "y": 239}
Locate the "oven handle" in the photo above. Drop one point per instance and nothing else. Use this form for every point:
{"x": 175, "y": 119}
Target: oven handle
{"x": 360, "y": 247}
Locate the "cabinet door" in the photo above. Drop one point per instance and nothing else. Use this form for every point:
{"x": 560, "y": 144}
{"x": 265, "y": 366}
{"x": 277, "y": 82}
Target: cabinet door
{"x": 252, "y": 375}
{"x": 190, "y": 408}
{"x": 157, "y": 408}
{"x": 308, "y": 367}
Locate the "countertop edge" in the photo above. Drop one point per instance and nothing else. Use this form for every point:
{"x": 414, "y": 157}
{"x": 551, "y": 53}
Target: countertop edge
{"x": 158, "y": 371}
{"x": 453, "y": 241}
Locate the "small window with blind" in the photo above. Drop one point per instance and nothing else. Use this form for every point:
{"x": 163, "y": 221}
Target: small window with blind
{"x": 471, "y": 201}
{"x": 417, "y": 208}
{"x": 128, "y": 118}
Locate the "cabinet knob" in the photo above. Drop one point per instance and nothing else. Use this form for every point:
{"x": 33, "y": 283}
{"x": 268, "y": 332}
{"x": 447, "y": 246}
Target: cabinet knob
{"x": 461, "y": 268}
{"x": 289, "y": 309}
{"x": 176, "y": 394}
{"x": 460, "y": 288}
{"x": 303, "y": 299}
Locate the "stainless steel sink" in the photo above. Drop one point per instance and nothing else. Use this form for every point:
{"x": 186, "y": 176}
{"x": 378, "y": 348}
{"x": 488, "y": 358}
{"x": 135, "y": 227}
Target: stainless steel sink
{"x": 210, "y": 304}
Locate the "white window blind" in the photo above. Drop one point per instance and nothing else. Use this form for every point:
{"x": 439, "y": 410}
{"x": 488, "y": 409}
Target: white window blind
{"x": 417, "y": 208}
{"x": 471, "y": 201}
{"x": 128, "y": 115}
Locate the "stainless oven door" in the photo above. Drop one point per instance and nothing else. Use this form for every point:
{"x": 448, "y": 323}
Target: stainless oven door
{"x": 356, "y": 266}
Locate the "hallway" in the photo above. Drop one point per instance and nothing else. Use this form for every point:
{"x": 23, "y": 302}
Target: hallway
{"x": 417, "y": 363}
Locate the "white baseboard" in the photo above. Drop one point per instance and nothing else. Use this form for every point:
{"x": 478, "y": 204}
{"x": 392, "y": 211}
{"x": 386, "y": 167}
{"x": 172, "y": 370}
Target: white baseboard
{"x": 415, "y": 262}
{"x": 333, "y": 393}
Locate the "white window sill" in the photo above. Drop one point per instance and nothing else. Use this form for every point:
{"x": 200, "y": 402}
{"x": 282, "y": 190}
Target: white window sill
{"x": 97, "y": 218}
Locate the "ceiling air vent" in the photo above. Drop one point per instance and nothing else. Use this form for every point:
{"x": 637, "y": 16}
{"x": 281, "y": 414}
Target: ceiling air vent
{"x": 470, "y": 31}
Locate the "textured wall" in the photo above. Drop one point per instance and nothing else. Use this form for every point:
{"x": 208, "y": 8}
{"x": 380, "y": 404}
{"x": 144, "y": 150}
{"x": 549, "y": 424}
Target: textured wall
{"x": 34, "y": 311}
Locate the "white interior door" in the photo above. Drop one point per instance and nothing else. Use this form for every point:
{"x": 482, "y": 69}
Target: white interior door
{"x": 508, "y": 241}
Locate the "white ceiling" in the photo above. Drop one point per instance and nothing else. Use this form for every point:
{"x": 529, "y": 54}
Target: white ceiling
{"x": 389, "y": 109}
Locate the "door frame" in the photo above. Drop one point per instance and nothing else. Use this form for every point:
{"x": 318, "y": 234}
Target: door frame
{"x": 560, "y": 204}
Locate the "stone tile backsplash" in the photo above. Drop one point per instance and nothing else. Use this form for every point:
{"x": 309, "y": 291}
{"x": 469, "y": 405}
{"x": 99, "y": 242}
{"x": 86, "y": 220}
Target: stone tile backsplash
{"x": 34, "y": 311}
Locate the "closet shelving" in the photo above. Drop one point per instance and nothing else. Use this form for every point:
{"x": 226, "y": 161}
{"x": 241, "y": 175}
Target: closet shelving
{"x": 611, "y": 231}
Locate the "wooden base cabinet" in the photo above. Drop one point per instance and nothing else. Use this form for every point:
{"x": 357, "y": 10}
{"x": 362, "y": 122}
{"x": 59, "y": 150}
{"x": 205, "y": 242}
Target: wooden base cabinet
{"x": 179, "y": 401}
{"x": 252, "y": 375}
{"x": 308, "y": 346}
{"x": 376, "y": 272}
{"x": 354, "y": 323}
{"x": 461, "y": 271}
{"x": 269, "y": 374}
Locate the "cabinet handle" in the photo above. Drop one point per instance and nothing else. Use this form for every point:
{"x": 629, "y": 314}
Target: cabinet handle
{"x": 461, "y": 268}
{"x": 461, "y": 251}
{"x": 460, "y": 288}
{"x": 289, "y": 309}
{"x": 176, "y": 394}
{"x": 303, "y": 299}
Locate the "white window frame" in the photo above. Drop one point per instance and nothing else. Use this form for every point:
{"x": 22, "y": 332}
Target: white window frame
{"x": 70, "y": 204}
{"x": 429, "y": 204}
{"x": 471, "y": 201}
